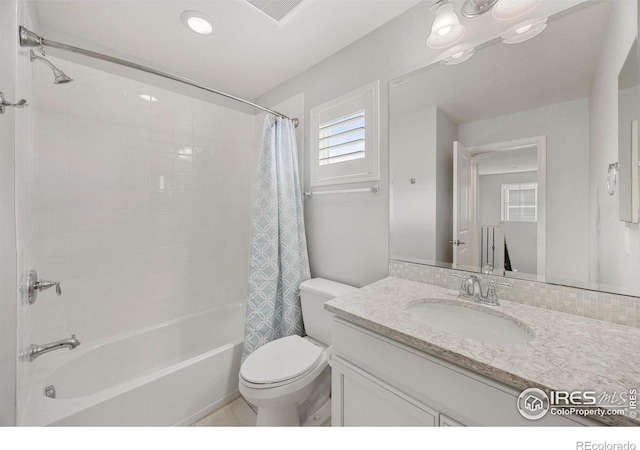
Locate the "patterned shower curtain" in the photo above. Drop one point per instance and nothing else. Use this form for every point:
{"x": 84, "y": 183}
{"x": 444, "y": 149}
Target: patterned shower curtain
{"x": 278, "y": 262}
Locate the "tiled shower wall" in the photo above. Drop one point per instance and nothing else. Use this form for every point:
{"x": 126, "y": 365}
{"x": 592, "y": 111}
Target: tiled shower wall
{"x": 139, "y": 206}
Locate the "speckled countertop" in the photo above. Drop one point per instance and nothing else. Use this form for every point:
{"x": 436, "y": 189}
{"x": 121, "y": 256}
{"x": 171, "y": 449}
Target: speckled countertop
{"x": 567, "y": 353}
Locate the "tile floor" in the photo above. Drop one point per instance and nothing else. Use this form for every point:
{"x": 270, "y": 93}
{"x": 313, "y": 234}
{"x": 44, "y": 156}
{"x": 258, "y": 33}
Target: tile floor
{"x": 235, "y": 414}
{"x": 238, "y": 413}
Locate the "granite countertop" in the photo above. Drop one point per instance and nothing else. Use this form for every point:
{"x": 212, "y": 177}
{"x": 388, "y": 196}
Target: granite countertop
{"x": 567, "y": 353}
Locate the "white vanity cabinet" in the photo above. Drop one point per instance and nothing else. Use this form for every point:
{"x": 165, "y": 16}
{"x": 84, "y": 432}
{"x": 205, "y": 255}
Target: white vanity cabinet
{"x": 379, "y": 382}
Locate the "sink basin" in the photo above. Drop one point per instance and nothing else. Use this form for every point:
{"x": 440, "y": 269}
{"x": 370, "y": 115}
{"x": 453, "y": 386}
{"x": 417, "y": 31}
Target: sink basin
{"x": 470, "y": 322}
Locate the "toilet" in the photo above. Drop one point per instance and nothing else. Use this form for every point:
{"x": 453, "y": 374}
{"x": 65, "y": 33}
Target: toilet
{"x": 289, "y": 379}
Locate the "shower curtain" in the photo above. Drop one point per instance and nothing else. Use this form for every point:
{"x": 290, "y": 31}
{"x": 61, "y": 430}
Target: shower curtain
{"x": 278, "y": 262}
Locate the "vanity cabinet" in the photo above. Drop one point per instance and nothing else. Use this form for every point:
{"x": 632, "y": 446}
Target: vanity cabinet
{"x": 380, "y": 382}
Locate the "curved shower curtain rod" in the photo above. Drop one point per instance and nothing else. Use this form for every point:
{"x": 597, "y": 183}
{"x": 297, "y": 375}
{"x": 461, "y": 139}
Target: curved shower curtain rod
{"x": 30, "y": 39}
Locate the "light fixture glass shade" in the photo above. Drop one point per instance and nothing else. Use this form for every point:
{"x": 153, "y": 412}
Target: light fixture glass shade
{"x": 524, "y": 31}
{"x": 446, "y": 28}
{"x": 510, "y": 9}
{"x": 457, "y": 55}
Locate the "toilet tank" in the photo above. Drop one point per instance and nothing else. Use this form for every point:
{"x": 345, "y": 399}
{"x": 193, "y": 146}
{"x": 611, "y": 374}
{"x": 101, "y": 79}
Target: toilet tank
{"x": 313, "y": 294}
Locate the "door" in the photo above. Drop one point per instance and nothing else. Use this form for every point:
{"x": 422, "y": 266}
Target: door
{"x": 461, "y": 205}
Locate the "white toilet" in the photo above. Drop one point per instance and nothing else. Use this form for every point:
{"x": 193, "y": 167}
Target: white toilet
{"x": 289, "y": 379}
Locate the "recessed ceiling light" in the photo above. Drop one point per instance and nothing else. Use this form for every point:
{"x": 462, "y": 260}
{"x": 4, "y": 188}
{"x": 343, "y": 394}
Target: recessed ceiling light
{"x": 149, "y": 98}
{"x": 197, "y": 21}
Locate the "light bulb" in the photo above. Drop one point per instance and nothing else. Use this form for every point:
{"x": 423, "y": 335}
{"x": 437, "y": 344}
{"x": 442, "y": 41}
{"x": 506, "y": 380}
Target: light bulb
{"x": 521, "y": 33}
{"x": 524, "y": 29}
{"x": 199, "y": 25}
{"x": 444, "y": 31}
{"x": 197, "y": 21}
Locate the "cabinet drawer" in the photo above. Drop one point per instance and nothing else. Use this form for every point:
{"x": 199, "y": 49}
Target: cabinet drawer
{"x": 468, "y": 397}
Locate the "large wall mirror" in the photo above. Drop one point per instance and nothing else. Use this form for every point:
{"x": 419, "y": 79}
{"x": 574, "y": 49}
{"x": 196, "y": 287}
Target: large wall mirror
{"x": 499, "y": 164}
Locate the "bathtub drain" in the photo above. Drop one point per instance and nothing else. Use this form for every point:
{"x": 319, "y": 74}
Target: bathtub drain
{"x": 50, "y": 391}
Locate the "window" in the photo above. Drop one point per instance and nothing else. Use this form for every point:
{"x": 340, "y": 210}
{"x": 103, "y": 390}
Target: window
{"x": 345, "y": 139}
{"x": 520, "y": 202}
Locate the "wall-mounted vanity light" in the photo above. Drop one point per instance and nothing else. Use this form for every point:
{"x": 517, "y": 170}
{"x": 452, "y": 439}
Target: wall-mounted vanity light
{"x": 446, "y": 29}
{"x": 474, "y": 8}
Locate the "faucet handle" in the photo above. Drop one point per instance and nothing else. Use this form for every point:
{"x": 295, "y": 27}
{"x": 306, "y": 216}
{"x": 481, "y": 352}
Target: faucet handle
{"x": 42, "y": 285}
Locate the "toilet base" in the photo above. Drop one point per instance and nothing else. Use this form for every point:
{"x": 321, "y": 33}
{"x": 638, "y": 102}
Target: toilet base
{"x": 321, "y": 417}
{"x": 290, "y": 416}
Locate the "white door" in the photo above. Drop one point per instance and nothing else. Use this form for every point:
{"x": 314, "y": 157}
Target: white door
{"x": 461, "y": 205}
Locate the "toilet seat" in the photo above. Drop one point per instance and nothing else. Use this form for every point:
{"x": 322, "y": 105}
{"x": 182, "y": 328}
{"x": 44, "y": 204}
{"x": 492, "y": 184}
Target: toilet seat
{"x": 282, "y": 362}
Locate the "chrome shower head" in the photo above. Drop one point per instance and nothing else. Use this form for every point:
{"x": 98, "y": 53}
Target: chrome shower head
{"x": 60, "y": 76}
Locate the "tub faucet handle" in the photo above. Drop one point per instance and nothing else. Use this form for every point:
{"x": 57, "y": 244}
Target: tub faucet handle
{"x": 42, "y": 285}
{"x": 33, "y": 285}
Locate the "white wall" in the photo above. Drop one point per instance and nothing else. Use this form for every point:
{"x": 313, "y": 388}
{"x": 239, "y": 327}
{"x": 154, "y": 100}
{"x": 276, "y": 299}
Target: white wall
{"x": 348, "y": 234}
{"x": 141, "y": 209}
{"x": 413, "y": 206}
{"x": 610, "y": 262}
{"x": 566, "y": 126}
{"x": 421, "y": 213}
{"x": 9, "y": 16}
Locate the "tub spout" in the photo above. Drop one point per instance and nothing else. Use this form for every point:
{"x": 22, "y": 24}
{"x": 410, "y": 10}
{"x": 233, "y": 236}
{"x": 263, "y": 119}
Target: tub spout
{"x": 33, "y": 351}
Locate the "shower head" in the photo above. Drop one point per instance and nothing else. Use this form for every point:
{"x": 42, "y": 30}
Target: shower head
{"x": 60, "y": 76}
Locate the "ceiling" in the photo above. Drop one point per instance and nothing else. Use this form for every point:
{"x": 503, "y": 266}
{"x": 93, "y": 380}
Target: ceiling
{"x": 555, "y": 66}
{"x": 248, "y": 53}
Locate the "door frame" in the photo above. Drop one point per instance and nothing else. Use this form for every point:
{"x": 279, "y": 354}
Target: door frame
{"x": 540, "y": 142}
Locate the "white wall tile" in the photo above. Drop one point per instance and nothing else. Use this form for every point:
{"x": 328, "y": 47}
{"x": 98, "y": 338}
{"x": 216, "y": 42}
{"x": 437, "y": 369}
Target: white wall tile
{"x": 136, "y": 211}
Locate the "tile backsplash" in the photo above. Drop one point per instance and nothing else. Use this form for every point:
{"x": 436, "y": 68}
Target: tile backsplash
{"x": 620, "y": 309}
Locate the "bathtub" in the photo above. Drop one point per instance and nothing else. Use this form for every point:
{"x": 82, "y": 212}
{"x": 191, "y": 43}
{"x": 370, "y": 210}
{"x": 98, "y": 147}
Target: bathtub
{"x": 171, "y": 374}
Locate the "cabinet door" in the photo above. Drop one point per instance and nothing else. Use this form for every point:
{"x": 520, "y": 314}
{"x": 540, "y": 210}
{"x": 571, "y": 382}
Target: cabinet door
{"x": 360, "y": 399}
{"x": 446, "y": 421}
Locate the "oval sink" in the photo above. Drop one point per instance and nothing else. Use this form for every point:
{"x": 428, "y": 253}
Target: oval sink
{"x": 469, "y": 322}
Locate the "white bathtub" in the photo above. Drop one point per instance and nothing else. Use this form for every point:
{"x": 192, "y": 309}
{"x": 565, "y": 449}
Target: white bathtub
{"x": 171, "y": 374}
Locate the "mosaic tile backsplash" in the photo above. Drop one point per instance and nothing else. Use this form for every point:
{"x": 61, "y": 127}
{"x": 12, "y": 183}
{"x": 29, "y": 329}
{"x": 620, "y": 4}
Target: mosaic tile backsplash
{"x": 620, "y": 309}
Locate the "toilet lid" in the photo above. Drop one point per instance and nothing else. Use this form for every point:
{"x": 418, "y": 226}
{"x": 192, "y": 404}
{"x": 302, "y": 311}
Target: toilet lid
{"x": 280, "y": 360}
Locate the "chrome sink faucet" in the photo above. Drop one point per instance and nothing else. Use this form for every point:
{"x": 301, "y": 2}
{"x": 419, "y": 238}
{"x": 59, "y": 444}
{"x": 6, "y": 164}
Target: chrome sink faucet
{"x": 33, "y": 351}
{"x": 471, "y": 289}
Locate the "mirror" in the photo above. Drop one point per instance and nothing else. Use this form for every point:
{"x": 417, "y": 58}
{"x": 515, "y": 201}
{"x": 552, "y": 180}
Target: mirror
{"x": 628, "y": 116}
{"x": 499, "y": 164}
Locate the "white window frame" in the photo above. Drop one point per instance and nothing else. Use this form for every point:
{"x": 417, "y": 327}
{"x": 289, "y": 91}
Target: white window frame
{"x": 505, "y": 188}
{"x": 364, "y": 169}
